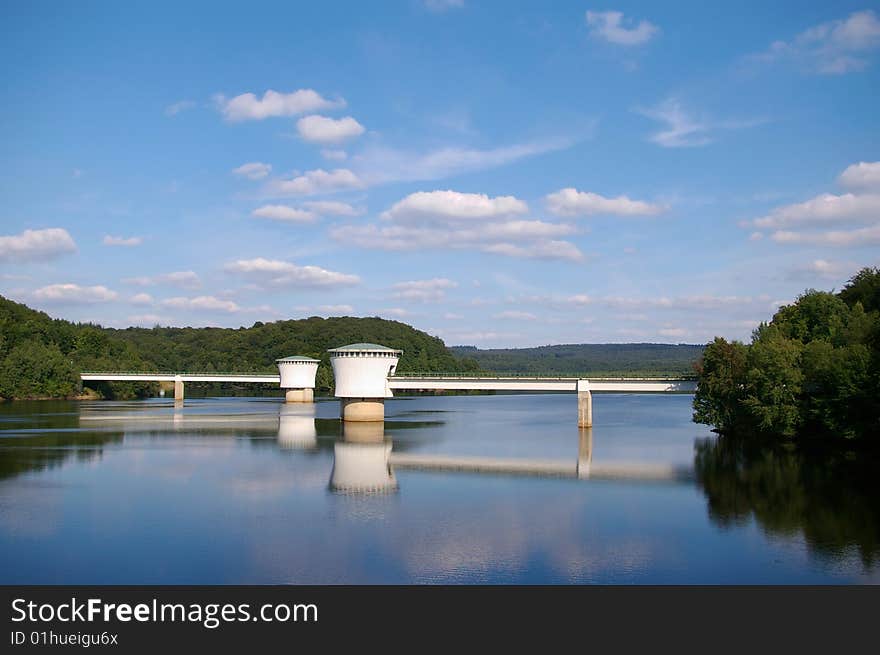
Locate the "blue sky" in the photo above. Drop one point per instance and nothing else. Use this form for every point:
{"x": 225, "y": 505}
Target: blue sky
{"x": 495, "y": 173}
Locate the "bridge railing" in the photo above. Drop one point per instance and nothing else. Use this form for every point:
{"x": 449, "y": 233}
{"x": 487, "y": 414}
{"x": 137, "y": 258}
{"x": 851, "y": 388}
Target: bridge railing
{"x": 534, "y": 376}
{"x": 203, "y": 373}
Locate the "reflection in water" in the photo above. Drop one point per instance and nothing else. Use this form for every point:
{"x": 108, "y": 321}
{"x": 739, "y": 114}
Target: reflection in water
{"x": 360, "y": 460}
{"x": 296, "y": 426}
{"x": 830, "y": 498}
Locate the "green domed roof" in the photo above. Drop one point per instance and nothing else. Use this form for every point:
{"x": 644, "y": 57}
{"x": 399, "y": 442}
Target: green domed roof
{"x": 364, "y": 347}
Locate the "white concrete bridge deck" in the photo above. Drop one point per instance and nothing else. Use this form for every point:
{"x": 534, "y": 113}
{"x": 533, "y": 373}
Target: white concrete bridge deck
{"x": 131, "y": 376}
{"x": 519, "y": 383}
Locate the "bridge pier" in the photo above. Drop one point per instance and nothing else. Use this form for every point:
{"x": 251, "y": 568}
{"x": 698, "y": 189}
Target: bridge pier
{"x": 299, "y": 396}
{"x": 178, "y": 389}
{"x": 585, "y": 452}
{"x": 585, "y": 404}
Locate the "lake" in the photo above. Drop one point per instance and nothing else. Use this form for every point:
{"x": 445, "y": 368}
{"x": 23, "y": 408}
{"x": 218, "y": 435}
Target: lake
{"x": 450, "y": 489}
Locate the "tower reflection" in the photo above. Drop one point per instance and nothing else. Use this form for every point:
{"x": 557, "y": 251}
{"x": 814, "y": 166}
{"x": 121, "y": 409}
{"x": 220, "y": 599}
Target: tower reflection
{"x": 296, "y": 427}
{"x": 361, "y": 460}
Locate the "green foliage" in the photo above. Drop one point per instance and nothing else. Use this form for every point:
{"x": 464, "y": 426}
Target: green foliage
{"x": 649, "y": 359}
{"x": 34, "y": 346}
{"x": 812, "y": 371}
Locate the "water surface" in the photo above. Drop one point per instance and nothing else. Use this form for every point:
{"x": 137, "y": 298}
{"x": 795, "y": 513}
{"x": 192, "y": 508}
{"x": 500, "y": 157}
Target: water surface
{"x": 249, "y": 490}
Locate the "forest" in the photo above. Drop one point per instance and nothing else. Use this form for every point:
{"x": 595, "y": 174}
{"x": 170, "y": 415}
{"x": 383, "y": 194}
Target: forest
{"x": 42, "y": 357}
{"x": 813, "y": 371}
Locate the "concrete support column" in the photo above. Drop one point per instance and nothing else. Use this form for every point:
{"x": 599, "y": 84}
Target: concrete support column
{"x": 299, "y": 396}
{"x": 362, "y": 409}
{"x": 585, "y": 404}
{"x": 178, "y": 389}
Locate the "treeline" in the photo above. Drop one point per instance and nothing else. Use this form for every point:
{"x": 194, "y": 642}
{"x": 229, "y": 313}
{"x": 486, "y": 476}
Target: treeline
{"x": 812, "y": 371}
{"x": 595, "y": 359}
{"x": 42, "y": 357}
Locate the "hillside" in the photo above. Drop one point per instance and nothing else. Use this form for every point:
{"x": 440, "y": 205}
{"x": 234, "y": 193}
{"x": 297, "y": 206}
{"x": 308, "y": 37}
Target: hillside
{"x": 649, "y": 359}
{"x": 42, "y": 357}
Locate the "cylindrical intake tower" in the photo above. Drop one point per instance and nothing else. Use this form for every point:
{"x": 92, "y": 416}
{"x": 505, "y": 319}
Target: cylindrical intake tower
{"x": 360, "y": 373}
{"x": 298, "y": 378}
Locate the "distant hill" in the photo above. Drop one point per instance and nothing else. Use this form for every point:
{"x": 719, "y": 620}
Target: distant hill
{"x": 649, "y": 359}
{"x": 42, "y": 357}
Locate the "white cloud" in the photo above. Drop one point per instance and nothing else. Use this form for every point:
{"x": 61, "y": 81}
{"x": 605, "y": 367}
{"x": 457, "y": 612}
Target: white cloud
{"x": 121, "y": 241}
{"x": 831, "y": 48}
{"x": 397, "y": 312}
{"x": 683, "y": 129}
{"x": 321, "y": 129}
{"x": 336, "y": 309}
{"x": 611, "y": 26}
{"x": 255, "y": 170}
{"x": 181, "y": 279}
{"x": 201, "y": 303}
{"x": 74, "y": 293}
{"x": 333, "y": 154}
{"x": 442, "y": 5}
{"x": 672, "y": 332}
{"x": 516, "y": 316}
{"x": 537, "y": 250}
{"x": 484, "y": 238}
{"x": 449, "y": 316}
{"x": 316, "y": 181}
{"x": 756, "y": 236}
{"x": 333, "y": 208}
{"x": 866, "y": 236}
{"x": 380, "y": 165}
{"x": 177, "y": 107}
{"x": 423, "y": 290}
{"x": 571, "y": 202}
{"x": 862, "y": 176}
{"x": 452, "y": 205}
{"x": 36, "y": 244}
{"x": 247, "y": 106}
{"x": 284, "y": 213}
{"x": 825, "y": 209}
{"x": 276, "y": 273}
{"x": 141, "y": 299}
{"x": 830, "y": 270}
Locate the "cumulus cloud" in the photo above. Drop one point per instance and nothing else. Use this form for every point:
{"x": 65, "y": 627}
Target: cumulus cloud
{"x": 141, "y": 299}
{"x": 832, "y": 48}
{"x": 823, "y": 268}
{"x": 449, "y": 219}
{"x": 571, "y": 202}
{"x": 74, "y": 294}
{"x": 452, "y": 205}
{"x": 825, "y": 209}
{"x": 201, "y": 303}
{"x": 284, "y": 213}
{"x": 316, "y": 181}
{"x": 862, "y": 176}
{"x": 333, "y": 208}
{"x": 683, "y": 129}
{"x": 121, "y": 241}
{"x": 255, "y": 170}
{"x": 36, "y": 244}
{"x": 431, "y": 290}
{"x": 800, "y": 223}
{"x": 321, "y": 129}
{"x": 866, "y": 236}
{"x": 277, "y": 273}
{"x": 181, "y": 279}
{"x": 611, "y": 26}
{"x": 247, "y": 107}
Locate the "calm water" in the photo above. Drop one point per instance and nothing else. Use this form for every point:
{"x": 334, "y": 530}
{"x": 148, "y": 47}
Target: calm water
{"x": 238, "y": 490}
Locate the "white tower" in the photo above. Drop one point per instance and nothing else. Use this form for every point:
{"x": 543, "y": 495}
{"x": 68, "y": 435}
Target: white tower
{"x": 361, "y": 372}
{"x": 298, "y": 378}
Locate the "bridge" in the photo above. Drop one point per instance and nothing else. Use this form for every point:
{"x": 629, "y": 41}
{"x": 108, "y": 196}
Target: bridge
{"x": 365, "y": 374}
